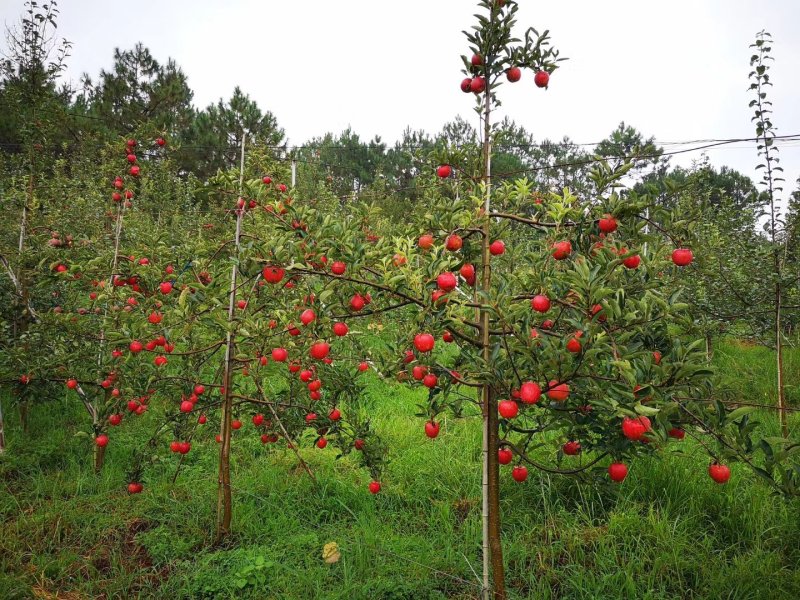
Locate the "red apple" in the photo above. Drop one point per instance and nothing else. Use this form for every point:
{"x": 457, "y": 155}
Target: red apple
{"x": 444, "y": 171}
{"x": 682, "y": 256}
{"x": 497, "y": 248}
{"x": 454, "y": 242}
{"x": 540, "y": 303}
{"x": 558, "y": 392}
{"x": 447, "y": 281}
{"x": 519, "y": 473}
{"x": 338, "y": 268}
{"x": 513, "y": 74}
{"x": 508, "y": 409}
{"x": 504, "y": 456}
{"x": 425, "y": 242}
{"x": 374, "y": 487}
{"x": 719, "y": 473}
{"x": 424, "y": 342}
{"x": 541, "y": 79}
{"x": 530, "y": 392}
{"x": 562, "y": 250}
{"x": 571, "y": 448}
{"x": 607, "y": 224}
{"x": 431, "y": 429}
{"x": 617, "y": 472}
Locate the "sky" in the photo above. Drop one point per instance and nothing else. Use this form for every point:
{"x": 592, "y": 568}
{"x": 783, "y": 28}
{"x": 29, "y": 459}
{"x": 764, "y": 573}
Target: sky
{"x": 675, "y": 70}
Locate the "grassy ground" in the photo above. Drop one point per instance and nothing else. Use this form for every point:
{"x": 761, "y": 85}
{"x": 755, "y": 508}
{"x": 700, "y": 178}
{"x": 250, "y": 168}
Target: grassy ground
{"x": 667, "y": 532}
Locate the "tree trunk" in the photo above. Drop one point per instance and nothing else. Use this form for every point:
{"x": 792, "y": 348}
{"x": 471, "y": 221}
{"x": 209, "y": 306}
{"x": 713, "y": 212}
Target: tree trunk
{"x": 99, "y": 457}
{"x": 224, "y": 497}
{"x": 779, "y": 355}
{"x": 491, "y": 477}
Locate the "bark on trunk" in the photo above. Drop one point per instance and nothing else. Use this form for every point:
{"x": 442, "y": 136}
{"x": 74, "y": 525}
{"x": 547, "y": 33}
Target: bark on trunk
{"x": 99, "y": 457}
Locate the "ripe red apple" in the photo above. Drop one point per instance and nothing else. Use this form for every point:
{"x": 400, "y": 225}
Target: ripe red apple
{"x": 454, "y": 242}
{"x": 419, "y": 372}
{"x": 657, "y": 357}
{"x": 338, "y": 268}
{"x": 617, "y": 472}
{"x": 241, "y": 304}
{"x": 321, "y": 443}
{"x": 430, "y": 381}
{"x": 161, "y": 142}
{"x": 273, "y": 274}
{"x": 677, "y": 433}
{"x": 571, "y": 448}
{"x": 447, "y": 337}
{"x": 632, "y": 262}
{"x": 497, "y": 247}
{"x": 447, "y": 281}
{"x": 279, "y": 354}
{"x": 266, "y": 180}
{"x": 134, "y": 171}
{"x": 504, "y": 456}
{"x": 719, "y": 473}
{"x": 634, "y": 429}
{"x": 307, "y": 316}
{"x": 508, "y": 409}
{"x": 519, "y": 473}
{"x": 72, "y": 383}
{"x": 186, "y": 406}
{"x": 466, "y": 85}
{"x": 541, "y": 79}
{"x": 468, "y": 273}
{"x": 319, "y": 350}
{"x": 574, "y": 345}
{"x": 513, "y": 74}
{"x": 313, "y": 386}
{"x": 562, "y": 250}
{"x": 160, "y": 361}
{"x": 444, "y": 171}
{"x": 530, "y": 392}
{"x": 477, "y": 85}
{"x": 424, "y": 342}
{"x": 101, "y": 440}
{"x": 357, "y": 302}
{"x": 476, "y": 60}
{"x": 540, "y": 303}
{"x": 202, "y": 420}
{"x": 431, "y": 429}
{"x": 363, "y": 366}
{"x": 425, "y": 242}
{"x": 335, "y": 414}
{"x": 311, "y": 417}
{"x": 607, "y": 224}
{"x": 136, "y": 346}
{"x": 374, "y": 487}
{"x": 359, "y": 444}
{"x": 682, "y": 256}
{"x": 558, "y": 392}
{"x": 258, "y": 420}
{"x": 340, "y": 329}
{"x": 236, "y": 424}
{"x": 135, "y": 488}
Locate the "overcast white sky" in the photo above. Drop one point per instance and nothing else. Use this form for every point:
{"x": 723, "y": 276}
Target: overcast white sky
{"x": 676, "y": 70}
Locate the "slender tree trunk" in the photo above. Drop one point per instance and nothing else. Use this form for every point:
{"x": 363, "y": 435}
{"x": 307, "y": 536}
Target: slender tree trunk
{"x": 224, "y": 497}
{"x": 99, "y": 457}
{"x": 491, "y": 467}
{"x": 779, "y": 356}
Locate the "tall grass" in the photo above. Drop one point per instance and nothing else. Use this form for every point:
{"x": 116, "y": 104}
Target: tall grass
{"x": 667, "y": 532}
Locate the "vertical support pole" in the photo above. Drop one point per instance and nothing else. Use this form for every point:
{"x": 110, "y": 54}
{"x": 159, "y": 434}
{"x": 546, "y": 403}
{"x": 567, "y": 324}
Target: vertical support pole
{"x": 294, "y": 172}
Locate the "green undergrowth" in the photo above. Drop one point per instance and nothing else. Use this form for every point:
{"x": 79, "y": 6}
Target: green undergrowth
{"x": 666, "y": 532}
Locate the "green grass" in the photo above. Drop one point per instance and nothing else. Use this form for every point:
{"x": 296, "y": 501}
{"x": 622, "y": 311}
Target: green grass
{"x": 667, "y": 532}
